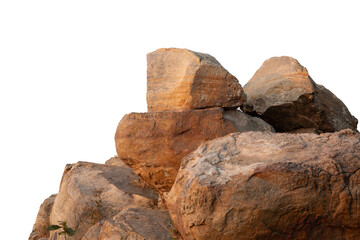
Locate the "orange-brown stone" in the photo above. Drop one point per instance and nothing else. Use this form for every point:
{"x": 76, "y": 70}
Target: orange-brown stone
{"x": 154, "y": 143}
{"x": 283, "y": 94}
{"x": 262, "y": 185}
{"x": 180, "y": 79}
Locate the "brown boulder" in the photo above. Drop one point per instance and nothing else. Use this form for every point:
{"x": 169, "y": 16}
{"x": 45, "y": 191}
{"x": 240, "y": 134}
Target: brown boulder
{"x": 283, "y": 94}
{"x": 180, "y": 79}
{"x": 262, "y": 185}
{"x": 42, "y": 220}
{"x": 92, "y": 196}
{"x": 154, "y": 143}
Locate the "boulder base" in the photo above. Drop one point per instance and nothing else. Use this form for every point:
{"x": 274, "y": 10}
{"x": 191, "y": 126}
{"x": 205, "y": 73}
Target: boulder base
{"x": 261, "y": 185}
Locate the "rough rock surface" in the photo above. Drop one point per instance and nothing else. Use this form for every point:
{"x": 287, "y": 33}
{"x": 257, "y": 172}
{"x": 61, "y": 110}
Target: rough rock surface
{"x": 154, "y": 143}
{"x": 42, "y": 220}
{"x": 180, "y": 79}
{"x": 120, "y": 193}
{"x": 283, "y": 94}
{"x": 261, "y": 185}
{"x": 246, "y": 123}
{"x": 129, "y": 224}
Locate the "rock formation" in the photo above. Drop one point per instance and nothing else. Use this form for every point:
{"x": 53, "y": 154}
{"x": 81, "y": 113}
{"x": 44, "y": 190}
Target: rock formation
{"x": 238, "y": 178}
{"x": 283, "y": 94}
{"x": 186, "y": 96}
{"x": 261, "y": 185}
{"x": 180, "y": 79}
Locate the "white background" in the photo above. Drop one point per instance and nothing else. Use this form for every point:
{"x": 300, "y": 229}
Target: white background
{"x": 69, "y": 71}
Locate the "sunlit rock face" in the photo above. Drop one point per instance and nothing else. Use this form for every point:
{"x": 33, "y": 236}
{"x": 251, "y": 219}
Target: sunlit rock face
{"x": 283, "y": 94}
{"x": 263, "y": 185}
{"x": 180, "y": 79}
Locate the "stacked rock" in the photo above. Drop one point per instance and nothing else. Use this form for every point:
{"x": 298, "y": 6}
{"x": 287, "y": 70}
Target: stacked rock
{"x": 191, "y": 98}
{"x": 220, "y": 183}
{"x": 283, "y": 94}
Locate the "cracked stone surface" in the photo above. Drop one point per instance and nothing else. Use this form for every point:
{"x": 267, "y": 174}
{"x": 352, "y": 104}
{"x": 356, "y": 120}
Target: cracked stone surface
{"x": 283, "y": 94}
{"x": 154, "y": 143}
{"x": 262, "y": 185}
{"x": 180, "y": 79}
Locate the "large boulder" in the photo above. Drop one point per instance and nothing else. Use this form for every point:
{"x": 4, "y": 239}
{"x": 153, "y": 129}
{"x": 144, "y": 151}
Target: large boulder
{"x": 180, "y": 79}
{"x": 262, "y": 185}
{"x": 96, "y": 198}
{"x": 43, "y": 219}
{"x": 283, "y": 94}
{"x": 154, "y": 143}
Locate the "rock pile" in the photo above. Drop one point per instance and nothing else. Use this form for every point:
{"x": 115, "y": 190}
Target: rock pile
{"x": 190, "y": 97}
{"x": 195, "y": 167}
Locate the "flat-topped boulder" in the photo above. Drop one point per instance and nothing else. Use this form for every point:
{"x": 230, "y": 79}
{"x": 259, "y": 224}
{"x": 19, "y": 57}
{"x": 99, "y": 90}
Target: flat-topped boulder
{"x": 154, "y": 143}
{"x": 180, "y": 79}
{"x": 262, "y": 185}
{"x": 283, "y": 94}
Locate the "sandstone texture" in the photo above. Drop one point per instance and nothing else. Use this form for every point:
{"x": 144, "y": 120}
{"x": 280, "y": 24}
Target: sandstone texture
{"x": 43, "y": 219}
{"x": 262, "y": 185}
{"x": 283, "y": 94}
{"x": 103, "y": 202}
{"x": 154, "y": 143}
{"x": 180, "y": 79}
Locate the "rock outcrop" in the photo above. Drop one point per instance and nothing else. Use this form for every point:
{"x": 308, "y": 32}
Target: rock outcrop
{"x": 43, "y": 219}
{"x": 191, "y": 99}
{"x": 102, "y": 202}
{"x": 283, "y": 94}
{"x": 229, "y": 175}
{"x": 261, "y": 185}
{"x": 154, "y": 143}
{"x": 180, "y": 79}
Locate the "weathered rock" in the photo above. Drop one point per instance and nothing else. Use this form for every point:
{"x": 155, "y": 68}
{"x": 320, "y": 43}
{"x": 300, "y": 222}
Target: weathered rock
{"x": 42, "y": 220}
{"x": 245, "y": 123}
{"x": 261, "y": 185}
{"x": 154, "y": 143}
{"x": 180, "y": 79}
{"x": 134, "y": 223}
{"x": 283, "y": 94}
{"x": 92, "y": 196}
{"x": 115, "y": 161}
